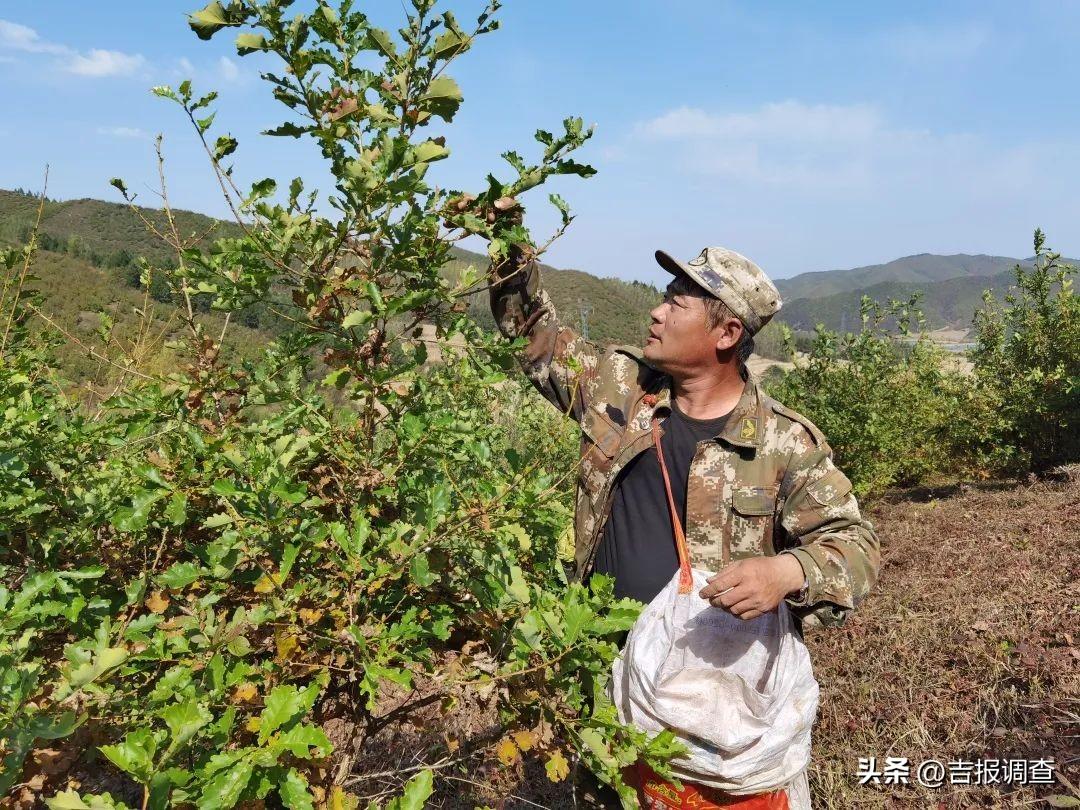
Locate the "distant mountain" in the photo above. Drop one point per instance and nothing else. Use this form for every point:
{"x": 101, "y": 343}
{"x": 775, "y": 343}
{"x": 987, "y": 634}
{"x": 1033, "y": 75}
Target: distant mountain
{"x": 951, "y": 288}
{"x": 923, "y": 268}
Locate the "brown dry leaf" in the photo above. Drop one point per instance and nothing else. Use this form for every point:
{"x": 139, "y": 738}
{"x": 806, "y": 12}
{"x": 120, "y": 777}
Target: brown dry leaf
{"x": 557, "y": 767}
{"x": 507, "y": 752}
{"x": 157, "y": 602}
{"x": 524, "y": 739}
{"x": 244, "y": 693}
{"x": 452, "y": 743}
{"x": 51, "y": 761}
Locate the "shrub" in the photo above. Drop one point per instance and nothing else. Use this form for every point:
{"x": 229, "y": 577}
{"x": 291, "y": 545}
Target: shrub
{"x": 1027, "y": 357}
{"x": 198, "y": 574}
{"x": 892, "y": 413}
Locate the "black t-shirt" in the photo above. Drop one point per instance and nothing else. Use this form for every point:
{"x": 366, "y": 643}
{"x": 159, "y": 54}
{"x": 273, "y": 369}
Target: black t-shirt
{"x": 638, "y": 547}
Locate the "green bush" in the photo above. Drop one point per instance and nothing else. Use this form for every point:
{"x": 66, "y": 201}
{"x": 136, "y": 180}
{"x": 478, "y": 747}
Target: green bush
{"x": 1027, "y": 357}
{"x": 893, "y": 412}
{"x": 224, "y": 551}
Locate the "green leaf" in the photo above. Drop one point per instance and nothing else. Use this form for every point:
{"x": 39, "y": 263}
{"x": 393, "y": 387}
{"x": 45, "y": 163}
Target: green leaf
{"x": 443, "y": 97}
{"x": 300, "y": 739}
{"x": 294, "y": 793}
{"x": 380, "y": 40}
{"x": 249, "y": 43}
{"x": 450, "y": 43}
{"x": 176, "y": 511}
{"x": 429, "y": 151}
{"x": 106, "y": 659}
{"x": 284, "y": 705}
{"x": 357, "y": 317}
{"x": 135, "y": 754}
{"x": 179, "y": 575}
{"x": 288, "y": 129}
{"x": 118, "y": 184}
{"x": 220, "y": 519}
{"x": 224, "y": 789}
{"x": 420, "y": 572}
{"x": 208, "y": 21}
{"x": 225, "y": 146}
{"x": 416, "y": 794}
{"x": 184, "y": 720}
{"x": 70, "y": 800}
{"x": 1059, "y": 800}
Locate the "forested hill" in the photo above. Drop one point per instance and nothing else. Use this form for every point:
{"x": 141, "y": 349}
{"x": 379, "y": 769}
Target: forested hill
{"x": 951, "y": 289}
{"x": 96, "y": 237}
{"x": 924, "y": 269}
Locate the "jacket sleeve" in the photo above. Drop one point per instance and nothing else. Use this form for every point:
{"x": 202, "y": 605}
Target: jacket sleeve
{"x": 836, "y": 546}
{"x": 555, "y": 359}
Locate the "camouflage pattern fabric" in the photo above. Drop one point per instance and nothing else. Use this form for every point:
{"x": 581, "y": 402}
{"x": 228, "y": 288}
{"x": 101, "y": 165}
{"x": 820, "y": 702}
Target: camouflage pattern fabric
{"x": 766, "y": 485}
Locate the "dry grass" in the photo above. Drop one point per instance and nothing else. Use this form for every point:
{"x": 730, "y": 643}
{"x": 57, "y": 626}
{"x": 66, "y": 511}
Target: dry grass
{"x": 967, "y": 649}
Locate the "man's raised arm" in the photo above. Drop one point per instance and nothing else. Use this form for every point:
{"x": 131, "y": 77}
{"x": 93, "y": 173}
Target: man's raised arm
{"x": 557, "y": 361}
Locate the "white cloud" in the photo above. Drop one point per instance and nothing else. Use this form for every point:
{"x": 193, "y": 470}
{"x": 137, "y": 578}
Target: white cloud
{"x": 123, "y": 132}
{"x": 99, "y": 63}
{"x": 785, "y": 120}
{"x": 23, "y": 38}
{"x": 921, "y": 45}
{"x": 95, "y": 63}
{"x": 185, "y": 67}
{"x": 824, "y": 151}
{"x": 230, "y": 72}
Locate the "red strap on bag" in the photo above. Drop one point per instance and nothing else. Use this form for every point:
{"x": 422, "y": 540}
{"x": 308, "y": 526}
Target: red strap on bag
{"x": 686, "y": 578}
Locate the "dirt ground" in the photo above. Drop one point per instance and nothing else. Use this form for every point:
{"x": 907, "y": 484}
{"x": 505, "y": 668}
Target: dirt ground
{"x": 969, "y": 649}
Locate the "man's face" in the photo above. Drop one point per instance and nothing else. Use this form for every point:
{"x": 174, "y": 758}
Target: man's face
{"x": 679, "y": 341}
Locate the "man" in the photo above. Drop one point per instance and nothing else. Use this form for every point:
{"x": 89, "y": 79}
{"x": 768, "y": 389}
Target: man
{"x": 750, "y": 477}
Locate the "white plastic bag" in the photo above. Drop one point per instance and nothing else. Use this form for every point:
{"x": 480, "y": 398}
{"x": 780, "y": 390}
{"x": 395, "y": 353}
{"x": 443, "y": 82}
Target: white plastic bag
{"x": 740, "y": 695}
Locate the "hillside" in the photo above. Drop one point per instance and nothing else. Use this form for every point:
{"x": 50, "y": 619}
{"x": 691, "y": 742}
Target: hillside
{"x": 923, "y": 269}
{"x": 945, "y": 303}
{"x": 94, "y": 234}
{"x": 951, "y": 289}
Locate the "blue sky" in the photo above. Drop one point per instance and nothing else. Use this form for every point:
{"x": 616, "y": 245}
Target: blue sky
{"x": 806, "y": 136}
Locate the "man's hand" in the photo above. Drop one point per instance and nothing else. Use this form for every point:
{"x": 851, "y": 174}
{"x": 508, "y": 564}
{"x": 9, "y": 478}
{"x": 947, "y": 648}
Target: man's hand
{"x": 749, "y": 588}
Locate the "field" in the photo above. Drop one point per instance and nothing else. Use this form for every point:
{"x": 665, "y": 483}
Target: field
{"x": 967, "y": 650}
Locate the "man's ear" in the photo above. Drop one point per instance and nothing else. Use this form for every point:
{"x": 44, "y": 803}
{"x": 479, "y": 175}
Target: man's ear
{"x": 728, "y": 334}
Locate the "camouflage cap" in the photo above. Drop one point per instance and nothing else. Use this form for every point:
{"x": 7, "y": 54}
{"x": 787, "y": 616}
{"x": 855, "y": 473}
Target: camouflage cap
{"x": 732, "y": 278}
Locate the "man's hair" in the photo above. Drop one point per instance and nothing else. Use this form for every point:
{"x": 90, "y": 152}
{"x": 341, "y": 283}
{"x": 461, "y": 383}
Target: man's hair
{"x": 716, "y": 312}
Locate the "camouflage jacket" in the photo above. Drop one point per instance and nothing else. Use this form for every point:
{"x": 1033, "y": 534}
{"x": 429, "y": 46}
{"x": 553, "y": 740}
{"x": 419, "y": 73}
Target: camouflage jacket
{"x": 765, "y": 485}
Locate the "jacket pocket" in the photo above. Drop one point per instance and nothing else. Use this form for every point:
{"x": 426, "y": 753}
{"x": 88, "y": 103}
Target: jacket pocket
{"x": 753, "y": 510}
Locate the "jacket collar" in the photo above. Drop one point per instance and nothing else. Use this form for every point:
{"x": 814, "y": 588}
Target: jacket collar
{"x": 745, "y": 426}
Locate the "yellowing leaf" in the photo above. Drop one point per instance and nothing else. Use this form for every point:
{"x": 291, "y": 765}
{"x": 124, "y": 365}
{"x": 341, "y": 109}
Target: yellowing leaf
{"x": 557, "y": 767}
{"x": 157, "y": 602}
{"x": 244, "y": 693}
{"x": 253, "y": 724}
{"x": 267, "y": 582}
{"x": 286, "y": 645}
{"x": 507, "y": 752}
{"x": 524, "y": 739}
{"x": 309, "y": 616}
